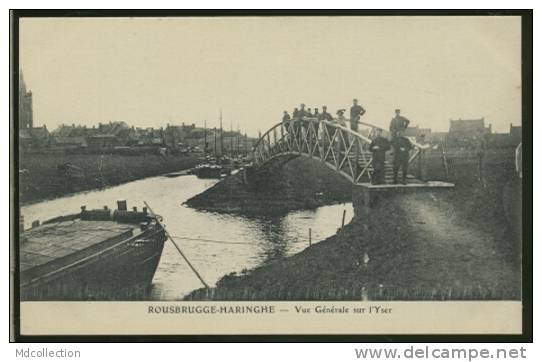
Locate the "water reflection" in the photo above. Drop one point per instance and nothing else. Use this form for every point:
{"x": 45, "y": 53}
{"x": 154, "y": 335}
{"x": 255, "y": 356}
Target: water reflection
{"x": 216, "y": 244}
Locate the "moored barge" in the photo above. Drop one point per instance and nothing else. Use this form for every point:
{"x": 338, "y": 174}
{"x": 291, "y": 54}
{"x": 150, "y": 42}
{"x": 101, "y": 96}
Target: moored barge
{"x": 93, "y": 255}
{"x": 208, "y": 170}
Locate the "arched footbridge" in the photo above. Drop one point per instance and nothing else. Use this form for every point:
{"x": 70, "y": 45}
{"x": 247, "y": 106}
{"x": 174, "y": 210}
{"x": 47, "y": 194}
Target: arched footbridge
{"x": 339, "y": 148}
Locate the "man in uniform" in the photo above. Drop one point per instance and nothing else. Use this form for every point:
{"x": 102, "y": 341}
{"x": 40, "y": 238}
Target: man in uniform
{"x": 401, "y": 154}
{"x": 356, "y": 111}
{"x": 302, "y": 125}
{"x": 286, "y": 122}
{"x": 285, "y": 118}
{"x": 302, "y": 111}
{"x": 398, "y": 123}
{"x": 324, "y": 116}
{"x": 340, "y": 117}
{"x": 379, "y": 146}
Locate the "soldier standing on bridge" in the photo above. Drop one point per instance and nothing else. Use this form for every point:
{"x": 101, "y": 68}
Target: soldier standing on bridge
{"x": 285, "y": 118}
{"x": 286, "y": 121}
{"x": 341, "y": 120}
{"x": 340, "y": 117}
{"x": 401, "y": 153}
{"x": 324, "y": 116}
{"x": 398, "y": 123}
{"x": 379, "y": 146}
{"x": 303, "y": 113}
{"x": 356, "y": 111}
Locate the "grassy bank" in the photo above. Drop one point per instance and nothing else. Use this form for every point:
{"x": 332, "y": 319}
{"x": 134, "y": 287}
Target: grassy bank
{"x": 42, "y": 180}
{"x": 459, "y": 244}
{"x": 299, "y": 184}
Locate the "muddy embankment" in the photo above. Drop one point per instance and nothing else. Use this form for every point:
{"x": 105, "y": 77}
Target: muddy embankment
{"x": 458, "y": 244}
{"x": 296, "y": 185}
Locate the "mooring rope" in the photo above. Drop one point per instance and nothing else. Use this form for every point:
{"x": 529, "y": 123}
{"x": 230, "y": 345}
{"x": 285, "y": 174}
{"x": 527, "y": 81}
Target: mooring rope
{"x": 211, "y": 240}
{"x": 224, "y": 241}
{"x": 177, "y": 247}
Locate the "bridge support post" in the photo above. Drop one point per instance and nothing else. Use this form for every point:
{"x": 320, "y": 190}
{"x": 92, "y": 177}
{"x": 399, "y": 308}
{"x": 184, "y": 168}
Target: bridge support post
{"x": 364, "y": 199}
{"x": 422, "y": 166}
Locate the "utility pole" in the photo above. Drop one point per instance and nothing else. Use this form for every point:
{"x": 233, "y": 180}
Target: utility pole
{"x": 246, "y": 145}
{"x": 231, "y": 139}
{"x": 205, "y": 137}
{"x": 221, "y": 135}
{"x": 214, "y": 148}
{"x": 238, "y": 135}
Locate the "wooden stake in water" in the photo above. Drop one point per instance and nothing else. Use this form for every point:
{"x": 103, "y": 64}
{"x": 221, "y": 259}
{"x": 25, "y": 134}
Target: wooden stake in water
{"x": 344, "y": 216}
{"x": 310, "y": 236}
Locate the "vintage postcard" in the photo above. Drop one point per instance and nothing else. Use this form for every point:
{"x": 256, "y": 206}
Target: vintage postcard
{"x": 354, "y": 174}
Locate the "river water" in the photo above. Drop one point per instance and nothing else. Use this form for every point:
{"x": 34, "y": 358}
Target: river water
{"x": 216, "y": 244}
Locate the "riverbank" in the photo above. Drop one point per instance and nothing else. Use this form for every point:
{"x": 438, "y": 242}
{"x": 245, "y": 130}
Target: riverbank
{"x": 459, "y": 244}
{"x": 41, "y": 178}
{"x": 296, "y": 185}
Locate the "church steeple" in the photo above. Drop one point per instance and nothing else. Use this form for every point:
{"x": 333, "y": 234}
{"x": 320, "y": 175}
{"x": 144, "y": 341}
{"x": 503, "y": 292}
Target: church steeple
{"x": 22, "y": 84}
{"x": 26, "y": 117}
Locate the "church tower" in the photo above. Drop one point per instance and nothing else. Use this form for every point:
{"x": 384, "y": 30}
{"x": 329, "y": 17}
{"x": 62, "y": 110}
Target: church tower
{"x": 26, "y": 117}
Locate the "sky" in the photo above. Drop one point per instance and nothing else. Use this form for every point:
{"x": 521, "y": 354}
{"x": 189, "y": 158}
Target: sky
{"x": 152, "y": 71}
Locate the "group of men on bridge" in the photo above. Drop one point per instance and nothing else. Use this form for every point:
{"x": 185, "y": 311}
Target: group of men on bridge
{"x": 379, "y": 145}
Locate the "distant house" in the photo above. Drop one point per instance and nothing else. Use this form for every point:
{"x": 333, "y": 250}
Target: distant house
{"x": 112, "y": 128}
{"x": 102, "y": 142}
{"x": 127, "y": 137}
{"x": 150, "y": 137}
{"x": 174, "y": 135}
{"x": 70, "y": 141}
{"x": 464, "y": 132}
{"x": 419, "y": 133}
{"x": 516, "y": 133}
{"x": 506, "y": 140}
{"x": 25, "y": 139}
{"x": 34, "y": 138}
{"x": 71, "y": 137}
{"x": 467, "y": 126}
{"x": 438, "y": 137}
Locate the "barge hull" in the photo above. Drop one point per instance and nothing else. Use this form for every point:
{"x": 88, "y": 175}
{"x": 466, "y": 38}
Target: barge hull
{"x": 121, "y": 271}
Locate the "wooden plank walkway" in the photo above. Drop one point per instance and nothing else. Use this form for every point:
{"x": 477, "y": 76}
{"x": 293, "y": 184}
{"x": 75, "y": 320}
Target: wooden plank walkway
{"x": 412, "y": 184}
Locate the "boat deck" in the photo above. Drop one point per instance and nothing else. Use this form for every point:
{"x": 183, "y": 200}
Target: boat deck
{"x": 45, "y": 243}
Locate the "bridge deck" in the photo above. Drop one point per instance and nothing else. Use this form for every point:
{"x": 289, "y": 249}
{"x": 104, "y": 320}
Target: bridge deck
{"x": 412, "y": 185}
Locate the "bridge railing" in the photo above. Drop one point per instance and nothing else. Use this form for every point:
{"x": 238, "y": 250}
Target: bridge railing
{"x": 340, "y": 148}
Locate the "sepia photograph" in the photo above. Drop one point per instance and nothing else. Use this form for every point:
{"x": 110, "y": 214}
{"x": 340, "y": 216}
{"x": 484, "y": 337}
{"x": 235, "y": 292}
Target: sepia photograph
{"x": 282, "y": 165}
